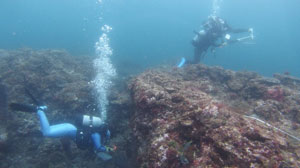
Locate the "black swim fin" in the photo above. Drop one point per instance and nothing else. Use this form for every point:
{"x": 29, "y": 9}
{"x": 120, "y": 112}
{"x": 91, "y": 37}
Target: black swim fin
{"x": 23, "y": 107}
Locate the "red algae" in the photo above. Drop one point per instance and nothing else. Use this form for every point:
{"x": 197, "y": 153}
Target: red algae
{"x": 208, "y": 108}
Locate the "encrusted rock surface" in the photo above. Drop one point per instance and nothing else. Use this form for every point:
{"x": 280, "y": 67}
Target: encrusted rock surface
{"x": 197, "y": 116}
{"x": 3, "y": 114}
{"x": 62, "y": 82}
{"x": 201, "y": 116}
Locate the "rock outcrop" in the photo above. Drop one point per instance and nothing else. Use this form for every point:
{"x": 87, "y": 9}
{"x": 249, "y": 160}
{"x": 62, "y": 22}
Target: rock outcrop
{"x": 197, "y": 116}
{"x": 62, "y": 82}
{"x": 201, "y": 116}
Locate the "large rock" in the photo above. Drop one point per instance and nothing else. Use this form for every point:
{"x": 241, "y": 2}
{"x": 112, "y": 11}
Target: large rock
{"x": 201, "y": 116}
{"x": 62, "y": 82}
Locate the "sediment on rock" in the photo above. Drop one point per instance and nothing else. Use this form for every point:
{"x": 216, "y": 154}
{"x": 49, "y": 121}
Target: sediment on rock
{"x": 201, "y": 116}
{"x": 62, "y": 82}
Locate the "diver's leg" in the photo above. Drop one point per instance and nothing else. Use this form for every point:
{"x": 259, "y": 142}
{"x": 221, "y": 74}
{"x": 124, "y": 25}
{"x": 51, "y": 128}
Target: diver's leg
{"x": 45, "y": 127}
{"x": 63, "y": 130}
{"x": 56, "y": 131}
{"x": 197, "y": 55}
{"x": 203, "y": 53}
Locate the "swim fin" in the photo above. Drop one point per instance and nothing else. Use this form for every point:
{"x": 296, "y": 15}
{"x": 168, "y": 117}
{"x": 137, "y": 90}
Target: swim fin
{"x": 181, "y": 62}
{"x": 23, "y": 107}
{"x": 104, "y": 156}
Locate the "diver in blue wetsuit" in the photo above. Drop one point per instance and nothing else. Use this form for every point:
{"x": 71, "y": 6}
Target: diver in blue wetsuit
{"x": 88, "y": 134}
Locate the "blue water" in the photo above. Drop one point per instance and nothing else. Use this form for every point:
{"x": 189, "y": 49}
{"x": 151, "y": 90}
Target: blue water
{"x": 154, "y": 32}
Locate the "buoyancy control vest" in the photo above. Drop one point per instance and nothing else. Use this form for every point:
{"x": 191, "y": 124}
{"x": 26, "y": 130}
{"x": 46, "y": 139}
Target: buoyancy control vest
{"x": 88, "y": 126}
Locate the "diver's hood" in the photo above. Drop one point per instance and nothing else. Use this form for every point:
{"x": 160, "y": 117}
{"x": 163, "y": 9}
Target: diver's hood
{"x": 91, "y": 121}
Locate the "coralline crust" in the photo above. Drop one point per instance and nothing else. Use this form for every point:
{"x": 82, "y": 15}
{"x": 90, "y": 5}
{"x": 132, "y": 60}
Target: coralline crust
{"x": 197, "y": 117}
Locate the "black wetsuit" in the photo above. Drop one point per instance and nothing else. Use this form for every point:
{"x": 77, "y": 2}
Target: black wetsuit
{"x": 212, "y": 36}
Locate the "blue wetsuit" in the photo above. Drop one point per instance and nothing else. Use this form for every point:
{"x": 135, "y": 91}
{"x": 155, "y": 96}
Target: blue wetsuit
{"x": 66, "y": 130}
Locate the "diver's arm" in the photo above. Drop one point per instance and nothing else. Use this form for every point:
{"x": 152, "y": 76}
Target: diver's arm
{"x": 232, "y": 41}
{"x": 224, "y": 43}
{"x": 107, "y": 137}
{"x": 239, "y": 30}
{"x": 97, "y": 142}
{"x": 218, "y": 45}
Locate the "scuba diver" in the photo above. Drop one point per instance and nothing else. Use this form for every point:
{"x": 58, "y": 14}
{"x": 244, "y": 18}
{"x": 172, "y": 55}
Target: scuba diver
{"x": 90, "y": 132}
{"x": 215, "y": 33}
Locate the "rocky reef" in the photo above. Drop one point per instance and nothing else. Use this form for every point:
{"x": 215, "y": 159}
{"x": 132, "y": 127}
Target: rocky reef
{"x": 201, "y": 116}
{"x": 62, "y": 82}
{"x": 196, "y": 116}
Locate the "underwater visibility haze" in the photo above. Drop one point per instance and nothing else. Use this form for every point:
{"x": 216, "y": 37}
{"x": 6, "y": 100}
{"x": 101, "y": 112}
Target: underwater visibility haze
{"x": 149, "y": 83}
{"x": 154, "y": 32}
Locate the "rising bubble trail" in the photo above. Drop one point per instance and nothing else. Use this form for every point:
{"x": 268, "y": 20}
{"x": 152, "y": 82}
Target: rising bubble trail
{"x": 104, "y": 69}
{"x": 216, "y": 7}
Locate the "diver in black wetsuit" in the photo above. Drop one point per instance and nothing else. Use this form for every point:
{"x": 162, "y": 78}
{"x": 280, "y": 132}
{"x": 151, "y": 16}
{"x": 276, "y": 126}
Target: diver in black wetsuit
{"x": 215, "y": 33}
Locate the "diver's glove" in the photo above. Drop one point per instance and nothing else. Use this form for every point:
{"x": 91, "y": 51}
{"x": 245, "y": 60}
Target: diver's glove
{"x": 111, "y": 148}
{"x": 106, "y": 149}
